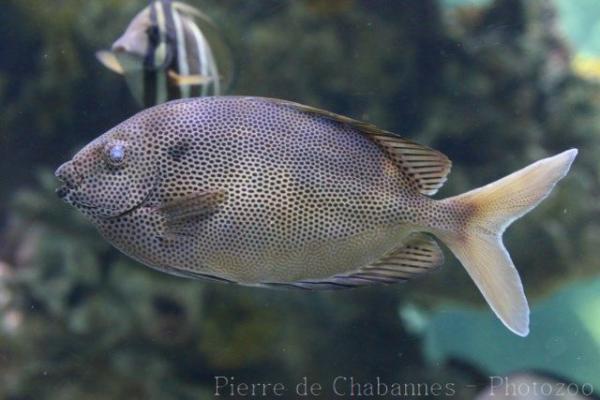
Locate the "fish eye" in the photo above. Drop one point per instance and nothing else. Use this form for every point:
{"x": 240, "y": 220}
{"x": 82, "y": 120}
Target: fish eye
{"x": 115, "y": 153}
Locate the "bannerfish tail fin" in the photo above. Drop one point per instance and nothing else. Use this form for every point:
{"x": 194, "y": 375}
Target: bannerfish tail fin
{"x": 482, "y": 216}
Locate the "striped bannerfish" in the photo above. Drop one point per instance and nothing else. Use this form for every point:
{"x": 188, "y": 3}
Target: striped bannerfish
{"x": 170, "y": 50}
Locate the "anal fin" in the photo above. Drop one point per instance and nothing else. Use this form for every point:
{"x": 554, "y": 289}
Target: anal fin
{"x": 419, "y": 254}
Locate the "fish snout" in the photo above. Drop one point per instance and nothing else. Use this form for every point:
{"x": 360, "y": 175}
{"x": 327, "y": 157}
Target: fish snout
{"x": 67, "y": 174}
{"x": 121, "y": 45}
{"x": 119, "y": 48}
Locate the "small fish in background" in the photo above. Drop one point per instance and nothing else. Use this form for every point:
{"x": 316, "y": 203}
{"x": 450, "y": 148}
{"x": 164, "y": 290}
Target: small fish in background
{"x": 586, "y": 67}
{"x": 266, "y": 192}
{"x": 170, "y": 50}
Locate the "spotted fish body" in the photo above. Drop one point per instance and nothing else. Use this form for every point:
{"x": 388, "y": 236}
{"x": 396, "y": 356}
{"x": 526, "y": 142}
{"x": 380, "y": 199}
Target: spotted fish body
{"x": 272, "y": 193}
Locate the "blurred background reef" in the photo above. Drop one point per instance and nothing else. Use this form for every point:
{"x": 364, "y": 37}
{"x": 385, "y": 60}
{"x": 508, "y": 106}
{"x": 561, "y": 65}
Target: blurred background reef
{"x": 493, "y": 84}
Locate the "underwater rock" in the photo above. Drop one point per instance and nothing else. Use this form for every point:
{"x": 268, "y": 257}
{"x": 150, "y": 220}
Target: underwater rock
{"x": 454, "y": 333}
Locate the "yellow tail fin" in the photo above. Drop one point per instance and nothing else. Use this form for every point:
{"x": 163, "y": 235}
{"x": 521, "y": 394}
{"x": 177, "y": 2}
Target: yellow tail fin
{"x": 477, "y": 242}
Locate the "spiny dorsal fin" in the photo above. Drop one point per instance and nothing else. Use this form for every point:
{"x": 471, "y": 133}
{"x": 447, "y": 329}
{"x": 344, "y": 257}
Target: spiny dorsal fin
{"x": 426, "y": 168}
{"x": 418, "y": 255}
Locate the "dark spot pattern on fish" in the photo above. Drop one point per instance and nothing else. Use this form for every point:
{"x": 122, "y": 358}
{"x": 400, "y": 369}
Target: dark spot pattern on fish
{"x": 252, "y": 190}
{"x": 178, "y": 151}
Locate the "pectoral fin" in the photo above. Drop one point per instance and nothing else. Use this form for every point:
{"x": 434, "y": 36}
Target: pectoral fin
{"x": 181, "y": 215}
{"x": 419, "y": 254}
{"x": 188, "y": 80}
{"x": 110, "y": 61}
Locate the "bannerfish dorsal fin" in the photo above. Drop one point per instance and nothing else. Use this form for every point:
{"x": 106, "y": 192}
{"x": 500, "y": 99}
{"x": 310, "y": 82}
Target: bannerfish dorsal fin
{"x": 418, "y": 255}
{"x": 191, "y": 11}
{"x": 426, "y": 168}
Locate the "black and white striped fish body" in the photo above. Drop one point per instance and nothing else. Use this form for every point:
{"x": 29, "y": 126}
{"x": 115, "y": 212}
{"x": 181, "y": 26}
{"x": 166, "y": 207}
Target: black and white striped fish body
{"x": 169, "y": 51}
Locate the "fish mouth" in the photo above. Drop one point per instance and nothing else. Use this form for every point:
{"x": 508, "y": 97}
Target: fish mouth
{"x": 67, "y": 193}
{"x": 62, "y": 191}
{"x": 66, "y": 190}
{"x": 71, "y": 192}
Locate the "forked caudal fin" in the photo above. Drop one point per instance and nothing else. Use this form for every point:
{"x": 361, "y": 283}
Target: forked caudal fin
{"x": 477, "y": 241}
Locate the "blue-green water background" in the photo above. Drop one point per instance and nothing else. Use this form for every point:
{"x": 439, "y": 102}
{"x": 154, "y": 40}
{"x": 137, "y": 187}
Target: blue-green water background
{"x": 489, "y": 83}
